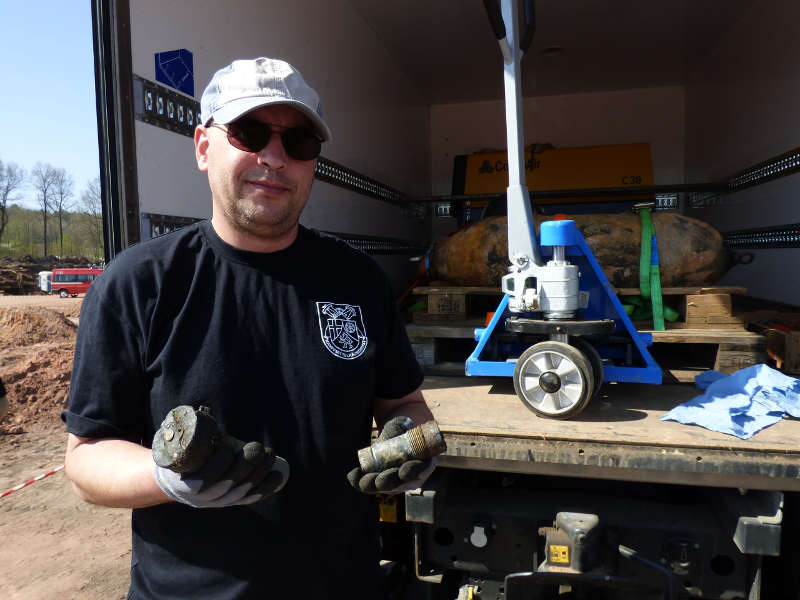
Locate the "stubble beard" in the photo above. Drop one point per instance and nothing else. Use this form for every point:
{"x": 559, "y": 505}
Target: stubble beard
{"x": 244, "y": 217}
{"x": 248, "y": 217}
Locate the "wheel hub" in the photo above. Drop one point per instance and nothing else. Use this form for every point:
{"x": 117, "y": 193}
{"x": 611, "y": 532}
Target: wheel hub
{"x": 550, "y": 382}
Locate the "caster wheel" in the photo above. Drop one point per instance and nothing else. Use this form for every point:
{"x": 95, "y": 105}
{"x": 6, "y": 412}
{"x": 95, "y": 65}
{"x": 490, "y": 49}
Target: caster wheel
{"x": 554, "y": 380}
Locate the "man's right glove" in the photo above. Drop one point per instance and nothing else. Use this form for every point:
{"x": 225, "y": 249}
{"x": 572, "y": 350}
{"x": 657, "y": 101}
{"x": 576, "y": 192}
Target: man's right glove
{"x": 235, "y": 473}
{"x": 199, "y": 465}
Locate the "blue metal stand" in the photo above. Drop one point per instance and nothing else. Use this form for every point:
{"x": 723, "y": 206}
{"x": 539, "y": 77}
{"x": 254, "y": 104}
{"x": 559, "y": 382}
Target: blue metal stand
{"x": 625, "y": 352}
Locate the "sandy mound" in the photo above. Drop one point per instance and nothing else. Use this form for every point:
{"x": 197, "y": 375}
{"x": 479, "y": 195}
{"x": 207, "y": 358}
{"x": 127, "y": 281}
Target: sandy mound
{"x": 21, "y": 327}
{"x": 36, "y": 349}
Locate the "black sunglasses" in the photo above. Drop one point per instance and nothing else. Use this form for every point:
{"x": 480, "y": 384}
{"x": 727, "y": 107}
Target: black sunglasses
{"x": 250, "y": 135}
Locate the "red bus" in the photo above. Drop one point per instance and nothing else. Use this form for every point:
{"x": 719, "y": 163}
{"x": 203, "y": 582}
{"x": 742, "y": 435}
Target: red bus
{"x": 71, "y": 282}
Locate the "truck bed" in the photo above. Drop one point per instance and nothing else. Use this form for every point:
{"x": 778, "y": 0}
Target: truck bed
{"x": 619, "y": 437}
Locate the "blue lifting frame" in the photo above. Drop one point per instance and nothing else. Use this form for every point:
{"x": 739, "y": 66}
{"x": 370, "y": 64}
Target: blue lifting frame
{"x": 603, "y": 304}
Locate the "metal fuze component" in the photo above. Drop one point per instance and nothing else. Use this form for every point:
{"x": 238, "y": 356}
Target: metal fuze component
{"x": 420, "y": 443}
{"x": 186, "y": 439}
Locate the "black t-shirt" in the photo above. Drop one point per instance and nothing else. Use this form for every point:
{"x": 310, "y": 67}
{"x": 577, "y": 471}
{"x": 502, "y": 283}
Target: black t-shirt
{"x": 288, "y": 348}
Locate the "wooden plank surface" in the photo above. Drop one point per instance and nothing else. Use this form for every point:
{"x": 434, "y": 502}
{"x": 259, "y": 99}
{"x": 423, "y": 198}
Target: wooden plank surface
{"x": 621, "y": 413}
{"x": 466, "y": 329}
{"x": 740, "y": 337}
{"x": 618, "y": 436}
{"x": 684, "y": 291}
{"x": 667, "y": 291}
{"x": 682, "y": 375}
{"x": 457, "y": 289}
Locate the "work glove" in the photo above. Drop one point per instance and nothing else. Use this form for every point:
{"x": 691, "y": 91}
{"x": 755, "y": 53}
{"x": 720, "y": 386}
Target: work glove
{"x": 235, "y": 473}
{"x": 395, "y": 480}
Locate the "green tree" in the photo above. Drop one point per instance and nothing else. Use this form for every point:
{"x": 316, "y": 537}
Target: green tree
{"x": 91, "y": 204}
{"x": 12, "y": 178}
{"x": 44, "y": 177}
{"x": 23, "y": 235}
{"x": 80, "y": 220}
{"x": 62, "y": 200}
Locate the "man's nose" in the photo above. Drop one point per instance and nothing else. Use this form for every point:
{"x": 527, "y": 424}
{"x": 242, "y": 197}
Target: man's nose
{"x": 273, "y": 155}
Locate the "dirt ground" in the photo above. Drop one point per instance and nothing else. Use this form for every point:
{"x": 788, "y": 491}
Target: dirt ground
{"x": 52, "y": 545}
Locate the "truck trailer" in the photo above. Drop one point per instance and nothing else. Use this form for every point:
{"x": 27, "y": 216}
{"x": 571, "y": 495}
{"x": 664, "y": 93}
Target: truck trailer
{"x": 613, "y": 503}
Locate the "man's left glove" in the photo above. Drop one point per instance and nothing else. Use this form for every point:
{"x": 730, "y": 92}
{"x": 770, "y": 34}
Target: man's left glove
{"x": 395, "y": 480}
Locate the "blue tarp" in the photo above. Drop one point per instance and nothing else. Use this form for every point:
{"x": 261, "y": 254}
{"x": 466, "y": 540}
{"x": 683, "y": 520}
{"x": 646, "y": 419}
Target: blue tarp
{"x": 741, "y": 404}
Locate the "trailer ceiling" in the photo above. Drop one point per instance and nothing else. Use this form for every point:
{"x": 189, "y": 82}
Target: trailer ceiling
{"x": 606, "y": 44}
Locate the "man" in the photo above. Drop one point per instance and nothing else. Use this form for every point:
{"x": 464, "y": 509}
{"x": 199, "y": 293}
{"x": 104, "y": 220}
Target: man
{"x": 289, "y": 336}
{"x": 3, "y": 400}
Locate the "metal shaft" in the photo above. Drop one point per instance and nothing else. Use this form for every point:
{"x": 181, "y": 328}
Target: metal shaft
{"x": 420, "y": 443}
{"x": 521, "y": 233}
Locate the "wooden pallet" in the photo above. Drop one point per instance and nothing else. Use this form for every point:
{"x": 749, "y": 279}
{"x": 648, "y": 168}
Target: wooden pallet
{"x": 735, "y": 348}
{"x": 449, "y": 304}
{"x": 686, "y": 291}
{"x": 729, "y": 349}
{"x": 701, "y": 307}
{"x": 437, "y": 345}
{"x": 707, "y": 319}
{"x": 782, "y": 329}
{"x": 784, "y": 348}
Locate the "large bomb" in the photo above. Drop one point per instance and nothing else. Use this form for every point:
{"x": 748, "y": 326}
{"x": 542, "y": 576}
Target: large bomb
{"x": 691, "y": 252}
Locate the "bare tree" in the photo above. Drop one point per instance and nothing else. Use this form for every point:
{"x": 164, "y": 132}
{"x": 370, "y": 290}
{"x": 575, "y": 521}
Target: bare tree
{"x": 12, "y": 178}
{"x": 91, "y": 203}
{"x": 44, "y": 178}
{"x": 62, "y": 200}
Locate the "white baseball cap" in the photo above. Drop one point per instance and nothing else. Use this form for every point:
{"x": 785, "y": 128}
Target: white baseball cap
{"x": 245, "y": 85}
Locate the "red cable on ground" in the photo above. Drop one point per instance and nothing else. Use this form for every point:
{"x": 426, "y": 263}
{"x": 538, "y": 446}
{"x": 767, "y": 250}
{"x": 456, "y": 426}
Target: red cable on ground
{"x": 35, "y": 479}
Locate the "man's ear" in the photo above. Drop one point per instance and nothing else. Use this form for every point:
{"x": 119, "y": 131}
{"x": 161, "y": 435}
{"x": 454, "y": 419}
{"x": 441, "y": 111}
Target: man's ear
{"x": 201, "y": 147}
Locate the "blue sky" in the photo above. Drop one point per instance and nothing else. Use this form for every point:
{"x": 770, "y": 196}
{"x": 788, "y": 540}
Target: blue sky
{"x": 48, "y": 102}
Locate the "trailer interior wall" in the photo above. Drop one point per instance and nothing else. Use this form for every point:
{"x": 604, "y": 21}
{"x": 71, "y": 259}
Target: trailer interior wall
{"x": 742, "y": 109}
{"x": 654, "y": 115}
{"x": 379, "y": 122}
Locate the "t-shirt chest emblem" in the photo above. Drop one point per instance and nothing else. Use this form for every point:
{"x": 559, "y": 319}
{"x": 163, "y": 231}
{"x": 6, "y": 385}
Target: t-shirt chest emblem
{"x": 342, "y": 329}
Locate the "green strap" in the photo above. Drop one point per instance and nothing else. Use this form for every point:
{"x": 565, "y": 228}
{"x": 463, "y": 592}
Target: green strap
{"x": 650, "y": 305}
{"x": 644, "y": 258}
{"x": 655, "y": 289}
{"x": 649, "y": 271}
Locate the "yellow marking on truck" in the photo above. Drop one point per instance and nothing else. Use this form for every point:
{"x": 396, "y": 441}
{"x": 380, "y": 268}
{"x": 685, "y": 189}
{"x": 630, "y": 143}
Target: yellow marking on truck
{"x": 559, "y": 554}
{"x": 387, "y": 506}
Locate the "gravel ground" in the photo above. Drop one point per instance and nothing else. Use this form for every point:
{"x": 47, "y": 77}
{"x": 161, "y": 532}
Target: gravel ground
{"x": 53, "y": 545}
